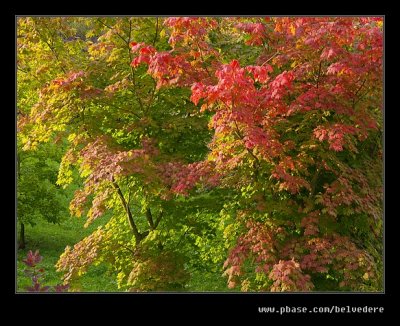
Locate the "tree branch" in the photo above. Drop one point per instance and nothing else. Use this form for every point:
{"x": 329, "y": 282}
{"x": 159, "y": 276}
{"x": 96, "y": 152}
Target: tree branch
{"x": 137, "y": 234}
{"x": 158, "y": 219}
{"x": 110, "y": 27}
{"x": 359, "y": 89}
{"x": 155, "y": 36}
{"x": 125, "y": 110}
{"x": 202, "y": 58}
{"x": 241, "y": 137}
{"x": 356, "y": 99}
{"x": 149, "y": 218}
{"x": 314, "y": 180}
{"x": 319, "y": 73}
{"x": 360, "y": 98}
{"x": 132, "y": 73}
{"x": 137, "y": 97}
{"x": 52, "y": 50}
{"x": 127, "y": 248}
{"x": 273, "y": 56}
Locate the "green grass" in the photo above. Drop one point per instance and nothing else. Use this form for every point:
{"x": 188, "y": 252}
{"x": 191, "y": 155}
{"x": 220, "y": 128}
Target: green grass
{"x": 207, "y": 282}
{"x": 51, "y": 240}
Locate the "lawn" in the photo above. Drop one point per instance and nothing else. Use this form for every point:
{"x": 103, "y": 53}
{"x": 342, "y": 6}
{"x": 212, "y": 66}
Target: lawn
{"x": 51, "y": 240}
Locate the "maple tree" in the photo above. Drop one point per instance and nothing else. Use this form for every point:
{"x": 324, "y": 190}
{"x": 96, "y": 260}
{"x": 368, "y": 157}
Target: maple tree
{"x": 248, "y": 143}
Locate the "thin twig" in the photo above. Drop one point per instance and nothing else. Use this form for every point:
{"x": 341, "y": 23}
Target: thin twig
{"x": 26, "y": 72}
{"x": 319, "y": 73}
{"x": 271, "y": 58}
{"x": 241, "y": 137}
{"x": 112, "y": 28}
{"x": 155, "y": 36}
{"x": 202, "y": 58}
{"x": 52, "y": 50}
{"x": 358, "y": 90}
{"x": 137, "y": 97}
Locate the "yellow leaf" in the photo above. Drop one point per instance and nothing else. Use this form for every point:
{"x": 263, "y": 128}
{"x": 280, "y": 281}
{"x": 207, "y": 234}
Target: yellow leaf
{"x": 293, "y": 29}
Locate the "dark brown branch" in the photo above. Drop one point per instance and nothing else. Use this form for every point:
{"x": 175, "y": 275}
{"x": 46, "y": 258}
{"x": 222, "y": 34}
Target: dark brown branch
{"x": 155, "y": 36}
{"x": 319, "y": 73}
{"x": 150, "y": 103}
{"x": 373, "y": 231}
{"x": 273, "y": 56}
{"x": 359, "y": 89}
{"x": 125, "y": 110}
{"x": 137, "y": 97}
{"x": 21, "y": 244}
{"x": 160, "y": 215}
{"x": 52, "y": 50}
{"x": 241, "y": 137}
{"x": 202, "y": 58}
{"x": 127, "y": 248}
{"x": 26, "y": 72}
{"x": 138, "y": 235}
{"x": 149, "y": 218}
{"x": 360, "y": 98}
{"x": 314, "y": 180}
{"x": 357, "y": 99}
{"x": 110, "y": 27}
{"x": 132, "y": 73}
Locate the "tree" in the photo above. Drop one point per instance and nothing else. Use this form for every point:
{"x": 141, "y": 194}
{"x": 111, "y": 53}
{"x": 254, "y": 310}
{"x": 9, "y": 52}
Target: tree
{"x": 271, "y": 146}
{"x": 38, "y": 197}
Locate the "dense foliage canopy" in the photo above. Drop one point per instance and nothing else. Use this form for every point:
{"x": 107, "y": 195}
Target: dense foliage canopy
{"x": 250, "y": 147}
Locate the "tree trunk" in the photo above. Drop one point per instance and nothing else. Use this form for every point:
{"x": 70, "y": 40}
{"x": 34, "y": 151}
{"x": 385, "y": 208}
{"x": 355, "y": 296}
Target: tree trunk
{"x": 21, "y": 244}
{"x": 22, "y": 237}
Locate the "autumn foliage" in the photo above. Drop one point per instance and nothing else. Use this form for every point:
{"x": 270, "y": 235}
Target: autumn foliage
{"x": 283, "y": 116}
{"x": 37, "y": 275}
